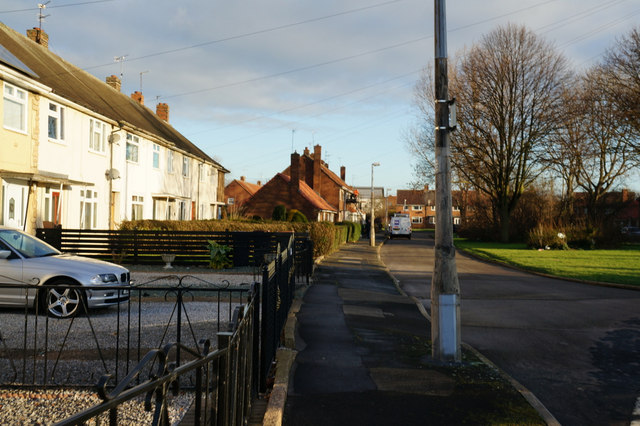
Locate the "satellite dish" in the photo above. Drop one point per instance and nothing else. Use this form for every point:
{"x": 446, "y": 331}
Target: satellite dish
{"x": 112, "y": 174}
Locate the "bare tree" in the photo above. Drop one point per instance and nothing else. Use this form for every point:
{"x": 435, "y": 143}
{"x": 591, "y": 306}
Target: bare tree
{"x": 622, "y": 73}
{"x": 508, "y": 89}
{"x": 566, "y": 148}
{"x": 606, "y": 150}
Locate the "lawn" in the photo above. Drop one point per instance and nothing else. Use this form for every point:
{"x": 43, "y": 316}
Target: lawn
{"x": 620, "y": 266}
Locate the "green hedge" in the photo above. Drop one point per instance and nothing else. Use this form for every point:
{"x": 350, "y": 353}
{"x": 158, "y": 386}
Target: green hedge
{"x": 327, "y": 237}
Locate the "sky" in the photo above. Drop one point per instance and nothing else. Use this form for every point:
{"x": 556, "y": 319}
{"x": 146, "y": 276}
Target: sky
{"x": 250, "y": 81}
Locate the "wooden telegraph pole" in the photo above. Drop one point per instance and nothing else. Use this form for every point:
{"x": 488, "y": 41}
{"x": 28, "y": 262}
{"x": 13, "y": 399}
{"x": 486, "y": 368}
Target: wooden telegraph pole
{"x": 445, "y": 289}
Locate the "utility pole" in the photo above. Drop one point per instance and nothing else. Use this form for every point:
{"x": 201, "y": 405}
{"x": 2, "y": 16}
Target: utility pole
{"x": 445, "y": 289}
{"x": 372, "y": 227}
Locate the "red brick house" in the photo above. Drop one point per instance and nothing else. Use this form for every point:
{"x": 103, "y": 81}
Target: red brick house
{"x": 293, "y": 192}
{"x": 239, "y": 191}
{"x": 420, "y": 205}
{"x": 331, "y": 187}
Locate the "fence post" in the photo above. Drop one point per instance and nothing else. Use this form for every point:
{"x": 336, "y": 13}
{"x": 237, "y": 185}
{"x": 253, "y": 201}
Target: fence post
{"x": 224, "y": 338}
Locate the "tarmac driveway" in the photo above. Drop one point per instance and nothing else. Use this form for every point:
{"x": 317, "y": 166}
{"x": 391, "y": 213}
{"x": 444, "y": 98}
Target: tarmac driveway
{"x": 575, "y": 346}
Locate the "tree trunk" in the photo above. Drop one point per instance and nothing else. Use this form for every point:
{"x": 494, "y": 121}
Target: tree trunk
{"x": 505, "y": 222}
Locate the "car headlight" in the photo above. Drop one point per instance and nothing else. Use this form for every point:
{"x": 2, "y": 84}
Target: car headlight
{"x": 104, "y": 278}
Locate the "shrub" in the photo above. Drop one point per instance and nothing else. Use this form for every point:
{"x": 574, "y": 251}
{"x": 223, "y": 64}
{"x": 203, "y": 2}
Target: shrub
{"x": 547, "y": 236}
{"x": 296, "y": 216}
{"x": 219, "y": 255}
{"x": 322, "y": 235}
{"x": 279, "y": 213}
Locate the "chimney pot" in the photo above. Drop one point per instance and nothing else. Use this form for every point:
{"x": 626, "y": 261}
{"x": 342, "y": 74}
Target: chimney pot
{"x": 295, "y": 171}
{"x": 138, "y": 97}
{"x": 343, "y": 173}
{"x": 114, "y": 81}
{"x": 38, "y": 36}
{"x": 242, "y": 178}
{"x": 162, "y": 111}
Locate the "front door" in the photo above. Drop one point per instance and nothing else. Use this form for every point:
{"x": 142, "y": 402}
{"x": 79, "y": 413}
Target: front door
{"x": 15, "y": 199}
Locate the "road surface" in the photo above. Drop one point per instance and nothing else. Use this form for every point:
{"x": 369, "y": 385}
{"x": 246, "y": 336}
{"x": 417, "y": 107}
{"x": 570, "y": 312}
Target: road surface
{"x": 575, "y": 346}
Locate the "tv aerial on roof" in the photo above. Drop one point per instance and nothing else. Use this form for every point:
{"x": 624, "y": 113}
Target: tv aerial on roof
{"x": 42, "y": 6}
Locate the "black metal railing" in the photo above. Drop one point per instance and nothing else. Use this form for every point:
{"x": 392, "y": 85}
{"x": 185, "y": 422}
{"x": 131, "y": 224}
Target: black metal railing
{"x": 216, "y": 340}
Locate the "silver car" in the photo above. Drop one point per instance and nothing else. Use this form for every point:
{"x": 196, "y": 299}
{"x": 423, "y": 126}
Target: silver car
{"x": 26, "y": 260}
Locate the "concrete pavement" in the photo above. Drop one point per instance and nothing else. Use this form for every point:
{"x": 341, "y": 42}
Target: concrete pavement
{"x": 362, "y": 356}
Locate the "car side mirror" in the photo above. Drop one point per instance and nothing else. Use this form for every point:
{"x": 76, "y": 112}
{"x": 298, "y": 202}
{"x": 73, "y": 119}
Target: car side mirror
{"x": 4, "y": 254}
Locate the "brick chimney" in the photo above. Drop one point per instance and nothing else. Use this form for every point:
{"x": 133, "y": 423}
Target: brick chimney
{"x": 114, "y": 81}
{"x": 162, "y": 111}
{"x": 625, "y": 195}
{"x": 295, "y": 172}
{"x": 259, "y": 183}
{"x": 317, "y": 162}
{"x": 38, "y": 36}
{"x": 138, "y": 97}
{"x": 343, "y": 173}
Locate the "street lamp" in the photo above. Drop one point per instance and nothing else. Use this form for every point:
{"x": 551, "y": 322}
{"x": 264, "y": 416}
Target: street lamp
{"x": 372, "y": 232}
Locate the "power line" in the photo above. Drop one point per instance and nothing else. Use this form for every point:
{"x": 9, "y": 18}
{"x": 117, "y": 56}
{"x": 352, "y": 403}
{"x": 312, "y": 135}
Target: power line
{"x": 31, "y": 9}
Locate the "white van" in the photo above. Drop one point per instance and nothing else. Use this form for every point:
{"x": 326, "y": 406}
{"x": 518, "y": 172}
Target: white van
{"x": 400, "y": 226}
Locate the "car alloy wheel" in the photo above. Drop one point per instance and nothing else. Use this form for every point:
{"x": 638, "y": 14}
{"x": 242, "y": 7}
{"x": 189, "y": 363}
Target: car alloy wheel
{"x": 62, "y": 301}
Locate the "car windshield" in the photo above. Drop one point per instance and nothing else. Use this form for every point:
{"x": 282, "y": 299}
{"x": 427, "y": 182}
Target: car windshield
{"x": 25, "y": 244}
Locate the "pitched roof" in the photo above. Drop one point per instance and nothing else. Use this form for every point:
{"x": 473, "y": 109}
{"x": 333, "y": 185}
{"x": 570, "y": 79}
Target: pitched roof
{"x": 327, "y": 171}
{"x": 72, "y": 83}
{"x": 251, "y": 188}
{"x": 411, "y": 196}
{"x": 309, "y": 194}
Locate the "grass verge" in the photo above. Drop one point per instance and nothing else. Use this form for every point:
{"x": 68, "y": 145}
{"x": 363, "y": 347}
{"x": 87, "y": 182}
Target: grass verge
{"x": 619, "y": 266}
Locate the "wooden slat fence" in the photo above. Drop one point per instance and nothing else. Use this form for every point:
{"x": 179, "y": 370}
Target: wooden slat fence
{"x": 147, "y": 247}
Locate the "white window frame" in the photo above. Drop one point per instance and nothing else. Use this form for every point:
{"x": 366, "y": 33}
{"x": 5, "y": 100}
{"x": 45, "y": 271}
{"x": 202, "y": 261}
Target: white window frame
{"x": 416, "y": 207}
{"x": 170, "y": 168}
{"x": 97, "y": 136}
{"x": 15, "y": 96}
{"x": 456, "y": 221}
{"x": 137, "y": 207}
{"x": 55, "y": 117}
{"x": 185, "y": 166}
{"x": 133, "y": 148}
{"x": 432, "y": 220}
{"x": 155, "y": 160}
{"x": 456, "y": 208}
{"x": 203, "y": 172}
{"x": 405, "y": 208}
{"x": 416, "y": 219}
{"x": 88, "y": 209}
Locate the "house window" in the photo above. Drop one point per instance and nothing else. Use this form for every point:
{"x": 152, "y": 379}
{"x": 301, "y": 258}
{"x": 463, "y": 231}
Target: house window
{"x": 170, "y": 161}
{"x": 456, "y": 209}
{"x": 433, "y": 208}
{"x": 405, "y": 208}
{"x": 15, "y": 108}
{"x": 456, "y": 221}
{"x": 231, "y": 201}
{"x": 88, "y": 209}
{"x": 185, "y": 166}
{"x": 156, "y": 156}
{"x": 416, "y": 219}
{"x": 432, "y": 220}
{"x": 418, "y": 208}
{"x": 137, "y": 203}
{"x": 97, "y": 135}
{"x": 56, "y": 122}
{"x": 202, "y": 172}
{"x": 133, "y": 145}
{"x": 182, "y": 213}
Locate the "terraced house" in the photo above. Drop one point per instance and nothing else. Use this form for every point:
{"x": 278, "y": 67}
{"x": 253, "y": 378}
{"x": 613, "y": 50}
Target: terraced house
{"x": 76, "y": 152}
